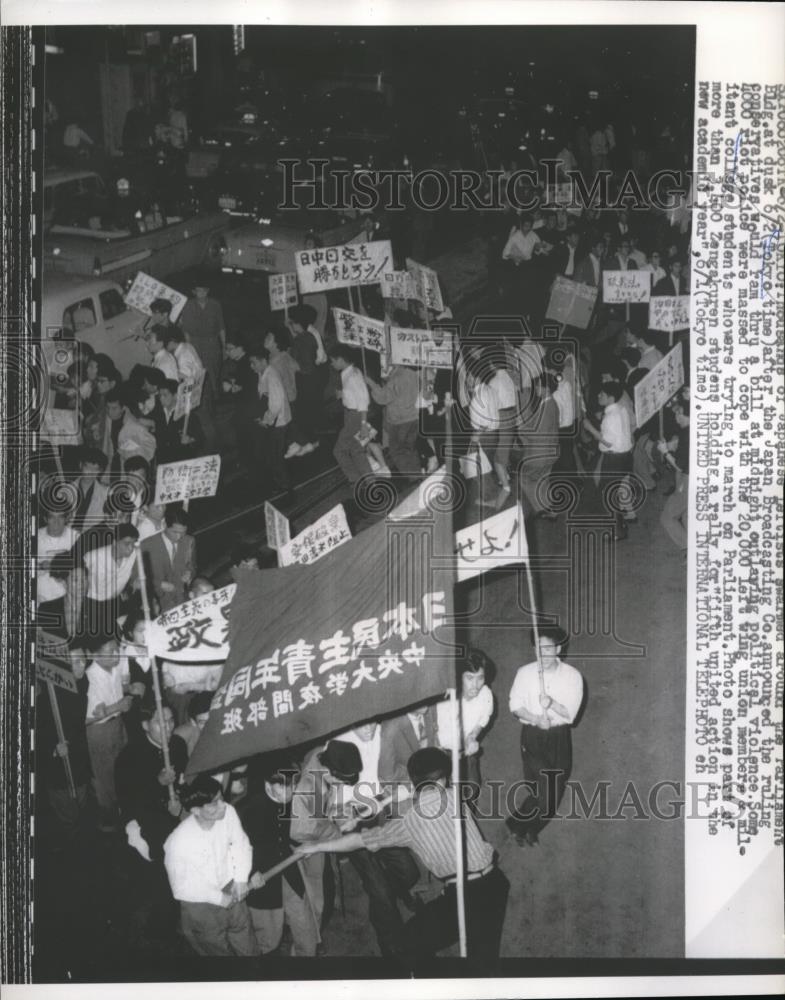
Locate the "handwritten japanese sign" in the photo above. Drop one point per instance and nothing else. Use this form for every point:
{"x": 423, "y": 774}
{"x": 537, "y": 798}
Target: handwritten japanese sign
{"x": 626, "y": 286}
{"x": 189, "y": 396}
{"x": 398, "y": 285}
{"x": 661, "y": 383}
{"x": 360, "y": 331}
{"x": 145, "y": 289}
{"x": 571, "y": 302}
{"x": 496, "y": 541}
{"x": 196, "y": 631}
{"x": 283, "y": 290}
{"x": 196, "y": 477}
{"x": 49, "y": 673}
{"x": 317, "y": 540}
{"x": 422, "y": 348}
{"x": 61, "y": 426}
{"x": 669, "y": 312}
{"x": 339, "y": 267}
{"x": 426, "y": 284}
{"x": 276, "y": 526}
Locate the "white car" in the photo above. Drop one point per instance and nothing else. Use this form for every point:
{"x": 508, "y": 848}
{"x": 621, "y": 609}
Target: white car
{"x": 93, "y": 311}
{"x": 269, "y": 245}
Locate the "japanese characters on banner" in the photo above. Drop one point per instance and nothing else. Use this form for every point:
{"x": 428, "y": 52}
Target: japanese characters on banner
{"x": 493, "y": 542}
{"x": 360, "y": 331}
{"x": 398, "y": 285}
{"x": 571, "y": 303}
{"x": 669, "y": 313}
{"x": 306, "y": 660}
{"x": 323, "y": 268}
{"x": 626, "y": 286}
{"x": 188, "y": 480}
{"x": 189, "y": 396}
{"x": 196, "y": 631}
{"x": 422, "y": 348}
{"x": 50, "y": 673}
{"x": 317, "y": 540}
{"x": 283, "y": 290}
{"x": 145, "y": 289}
{"x": 426, "y": 284}
{"x": 276, "y": 526}
{"x": 659, "y": 385}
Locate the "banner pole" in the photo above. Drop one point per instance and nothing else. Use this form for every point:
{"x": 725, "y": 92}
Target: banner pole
{"x": 351, "y": 298}
{"x": 535, "y": 628}
{"x": 186, "y": 502}
{"x": 154, "y": 668}
{"x": 456, "y": 744}
{"x": 69, "y": 774}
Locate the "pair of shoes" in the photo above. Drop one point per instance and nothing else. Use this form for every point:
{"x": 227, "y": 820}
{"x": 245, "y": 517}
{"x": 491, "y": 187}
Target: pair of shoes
{"x": 306, "y": 449}
{"x": 293, "y": 451}
{"x": 546, "y": 515}
{"x": 631, "y": 519}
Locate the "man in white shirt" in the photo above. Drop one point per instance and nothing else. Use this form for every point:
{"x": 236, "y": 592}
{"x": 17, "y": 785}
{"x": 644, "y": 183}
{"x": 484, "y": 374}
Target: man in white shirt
{"x": 189, "y": 364}
{"x": 162, "y": 359}
{"x": 545, "y": 697}
{"x": 650, "y": 354}
{"x": 274, "y": 418}
{"x": 208, "y": 859}
{"x": 476, "y": 709}
{"x": 616, "y": 445}
{"x": 111, "y": 570}
{"x": 349, "y": 453}
{"x": 54, "y": 538}
{"x": 106, "y": 703}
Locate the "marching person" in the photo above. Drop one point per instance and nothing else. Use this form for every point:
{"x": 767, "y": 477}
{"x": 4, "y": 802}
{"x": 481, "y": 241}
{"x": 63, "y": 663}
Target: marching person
{"x": 208, "y": 861}
{"x": 202, "y": 321}
{"x": 348, "y": 451}
{"x": 170, "y": 558}
{"x": 428, "y": 828}
{"x": 545, "y": 697}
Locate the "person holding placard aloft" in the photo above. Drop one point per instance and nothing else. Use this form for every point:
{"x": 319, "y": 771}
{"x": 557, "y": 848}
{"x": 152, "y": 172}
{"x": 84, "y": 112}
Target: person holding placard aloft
{"x": 616, "y": 447}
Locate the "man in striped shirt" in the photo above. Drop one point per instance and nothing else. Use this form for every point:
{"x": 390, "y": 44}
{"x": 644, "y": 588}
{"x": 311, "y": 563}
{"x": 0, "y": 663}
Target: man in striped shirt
{"x": 428, "y": 828}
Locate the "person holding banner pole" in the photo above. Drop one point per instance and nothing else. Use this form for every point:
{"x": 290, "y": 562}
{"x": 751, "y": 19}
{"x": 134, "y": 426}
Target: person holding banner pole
{"x": 305, "y": 349}
{"x": 434, "y": 829}
{"x": 545, "y": 697}
{"x": 156, "y": 686}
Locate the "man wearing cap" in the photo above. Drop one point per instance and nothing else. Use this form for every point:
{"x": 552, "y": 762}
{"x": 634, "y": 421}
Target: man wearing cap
{"x": 545, "y": 697}
{"x": 321, "y": 808}
{"x": 428, "y": 828}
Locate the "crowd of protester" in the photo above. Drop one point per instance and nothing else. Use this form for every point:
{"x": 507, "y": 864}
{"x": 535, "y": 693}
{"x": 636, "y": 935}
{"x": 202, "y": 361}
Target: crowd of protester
{"x": 534, "y": 407}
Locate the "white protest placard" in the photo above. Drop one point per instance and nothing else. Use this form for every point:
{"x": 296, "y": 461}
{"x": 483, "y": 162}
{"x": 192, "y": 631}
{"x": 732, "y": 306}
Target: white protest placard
{"x": 196, "y": 631}
{"x": 422, "y": 348}
{"x": 283, "y": 290}
{"x": 571, "y": 302}
{"x": 626, "y": 286}
{"x": 317, "y": 540}
{"x": 426, "y": 283}
{"x": 323, "y": 268}
{"x": 61, "y": 426}
{"x": 188, "y": 480}
{"x": 654, "y": 391}
{"x": 189, "y": 396}
{"x": 276, "y": 526}
{"x": 146, "y": 288}
{"x": 360, "y": 331}
{"x": 50, "y": 673}
{"x": 398, "y": 285}
{"x": 669, "y": 312}
{"x": 493, "y": 542}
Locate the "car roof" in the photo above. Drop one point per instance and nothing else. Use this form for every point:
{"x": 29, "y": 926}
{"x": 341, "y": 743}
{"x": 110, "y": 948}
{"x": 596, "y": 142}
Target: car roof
{"x": 57, "y": 285}
{"x": 52, "y": 177}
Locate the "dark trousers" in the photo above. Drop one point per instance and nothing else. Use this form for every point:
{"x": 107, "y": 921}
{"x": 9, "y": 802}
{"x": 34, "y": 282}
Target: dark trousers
{"x": 217, "y": 930}
{"x": 547, "y": 764}
{"x": 614, "y": 469}
{"x": 269, "y": 462}
{"x": 402, "y": 443}
{"x": 386, "y": 875}
{"x": 436, "y": 925}
{"x": 152, "y": 912}
{"x": 349, "y": 453}
{"x": 310, "y": 392}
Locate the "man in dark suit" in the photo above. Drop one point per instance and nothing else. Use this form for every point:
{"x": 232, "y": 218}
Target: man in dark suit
{"x": 170, "y": 559}
{"x": 564, "y": 258}
{"x": 621, "y": 260}
{"x": 401, "y": 736}
{"x": 173, "y": 444}
{"x": 589, "y": 270}
{"x": 675, "y": 283}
